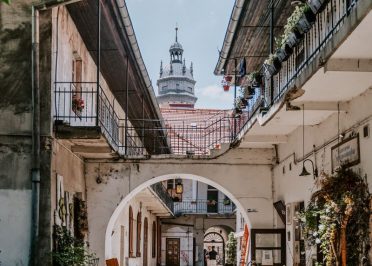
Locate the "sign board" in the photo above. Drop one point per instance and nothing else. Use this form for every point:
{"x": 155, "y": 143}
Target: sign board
{"x": 346, "y": 153}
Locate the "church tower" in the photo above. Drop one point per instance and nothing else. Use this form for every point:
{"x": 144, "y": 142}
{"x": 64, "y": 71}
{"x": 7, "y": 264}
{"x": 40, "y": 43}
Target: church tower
{"x": 176, "y": 82}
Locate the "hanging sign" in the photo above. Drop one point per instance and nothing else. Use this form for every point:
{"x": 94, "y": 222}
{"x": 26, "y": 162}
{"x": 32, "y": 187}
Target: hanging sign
{"x": 346, "y": 153}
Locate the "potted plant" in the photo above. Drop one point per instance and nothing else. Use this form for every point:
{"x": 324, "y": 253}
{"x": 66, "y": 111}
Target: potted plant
{"x": 306, "y": 19}
{"x": 283, "y": 51}
{"x": 228, "y": 78}
{"x": 317, "y": 5}
{"x": 272, "y": 65}
{"x": 226, "y": 201}
{"x": 292, "y": 31}
{"x": 231, "y": 246}
{"x": 255, "y": 78}
{"x": 240, "y": 103}
{"x": 77, "y": 104}
{"x": 248, "y": 92}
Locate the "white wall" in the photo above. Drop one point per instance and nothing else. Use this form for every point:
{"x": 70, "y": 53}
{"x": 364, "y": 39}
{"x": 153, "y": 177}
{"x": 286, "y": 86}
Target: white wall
{"x": 290, "y": 187}
{"x": 124, "y": 221}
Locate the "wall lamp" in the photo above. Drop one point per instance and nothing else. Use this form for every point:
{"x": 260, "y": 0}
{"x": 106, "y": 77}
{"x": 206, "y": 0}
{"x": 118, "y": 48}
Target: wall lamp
{"x": 305, "y": 172}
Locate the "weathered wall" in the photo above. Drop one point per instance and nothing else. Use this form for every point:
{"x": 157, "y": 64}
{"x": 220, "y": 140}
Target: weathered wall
{"x": 124, "y": 221}
{"x": 15, "y": 129}
{"x": 289, "y": 186}
{"x": 244, "y": 173}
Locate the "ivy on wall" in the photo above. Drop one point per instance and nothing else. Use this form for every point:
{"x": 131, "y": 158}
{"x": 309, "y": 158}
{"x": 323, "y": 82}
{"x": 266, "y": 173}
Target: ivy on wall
{"x": 337, "y": 219}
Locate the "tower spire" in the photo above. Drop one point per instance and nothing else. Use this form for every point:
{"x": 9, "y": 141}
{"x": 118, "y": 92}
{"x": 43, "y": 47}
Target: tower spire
{"x": 176, "y": 32}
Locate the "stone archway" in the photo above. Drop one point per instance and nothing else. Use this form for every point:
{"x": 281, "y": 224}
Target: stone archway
{"x": 155, "y": 180}
{"x": 244, "y": 177}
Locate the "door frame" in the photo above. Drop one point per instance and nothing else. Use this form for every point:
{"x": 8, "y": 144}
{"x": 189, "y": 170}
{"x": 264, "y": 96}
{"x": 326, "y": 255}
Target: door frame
{"x": 166, "y": 250}
{"x": 145, "y": 242}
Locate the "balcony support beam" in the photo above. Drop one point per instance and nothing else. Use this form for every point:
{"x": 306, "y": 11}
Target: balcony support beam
{"x": 348, "y": 65}
{"x": 317, "y": 106}
{"x": 275, "y": 139}
{"x": 90, "y": 149}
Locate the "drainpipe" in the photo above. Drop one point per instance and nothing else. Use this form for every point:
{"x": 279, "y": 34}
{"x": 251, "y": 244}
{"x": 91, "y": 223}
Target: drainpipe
{"x": 35, "y": 170}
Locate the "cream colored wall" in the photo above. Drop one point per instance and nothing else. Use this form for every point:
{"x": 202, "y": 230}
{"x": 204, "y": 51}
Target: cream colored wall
{"x": 124, "y": 221}
{"x": 244, "y": 173}
{"x": 290, "y": 187}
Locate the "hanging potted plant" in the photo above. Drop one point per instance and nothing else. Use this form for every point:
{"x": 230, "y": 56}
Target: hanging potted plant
{"x": 292, "y": 34}
{"x": 317, "y": 6}
{"x": 255, "y": 78}
{"x": 225, "y": 85}
{"x": 272, "y": 65}
{"x": 77, "y": 104}
{"x": 306, "y": 19}
{"x": 248, "y": 92}
{"x": 240, "y": 103}
{"x": 226, "y": 201}
{"x": 283, "y": 51}
{"x": 228, "y": 78}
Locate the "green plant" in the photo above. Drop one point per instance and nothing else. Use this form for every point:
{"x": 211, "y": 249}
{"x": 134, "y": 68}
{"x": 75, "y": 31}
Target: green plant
{"x": 337, "y": 218}
{"x": 270, "y": 60}
{"x": 69, "y": 250}
{"x": 291, "y": 24}
{"x": 231, "y": 249}
{"x": 6, "y": 1}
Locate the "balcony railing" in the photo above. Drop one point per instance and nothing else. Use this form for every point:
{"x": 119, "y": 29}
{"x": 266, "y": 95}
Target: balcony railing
{"x": 79, "y": 104}
{"x": 162, "y": 193}
{"x": 85, "y": 105}
{"x": 328, "y": 22}
{"x": 203, "y": 207}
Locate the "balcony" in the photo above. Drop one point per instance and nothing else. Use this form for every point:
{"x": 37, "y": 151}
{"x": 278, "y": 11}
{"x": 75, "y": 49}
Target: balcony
{"x": 204, "y": 207}
{"x": 330, "y": 65}
{"x": 163, "y": 195}
{"x": 91, "y": 118}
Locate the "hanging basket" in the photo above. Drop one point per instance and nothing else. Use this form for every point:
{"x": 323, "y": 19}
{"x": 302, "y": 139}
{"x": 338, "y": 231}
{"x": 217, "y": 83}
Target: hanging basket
{"x": 228, "y": 78}
{"x": 226, "y": 87}
{"x": 317, "y": 6}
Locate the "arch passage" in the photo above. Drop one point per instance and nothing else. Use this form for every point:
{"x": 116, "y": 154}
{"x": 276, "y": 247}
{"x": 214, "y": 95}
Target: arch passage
{"x": 154, "y": 180}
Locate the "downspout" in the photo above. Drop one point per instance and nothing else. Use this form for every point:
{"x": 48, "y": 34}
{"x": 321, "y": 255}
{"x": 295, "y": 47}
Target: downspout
{"x": 35, "y": 170}
{"x": 35, "y": 76}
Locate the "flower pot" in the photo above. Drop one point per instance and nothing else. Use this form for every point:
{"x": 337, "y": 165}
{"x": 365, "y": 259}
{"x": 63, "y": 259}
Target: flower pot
{"x": 226, "y": 87}
{"x": 306, "y": 21}
{"x": 288, "y": 50}
{"x": 294, "y": 38}
{"x": 238, "y": 111}
{"x": 228, "y": 78}
{"x": 249, "y": 93}
{"x": 317, "y": 5}
{"x": 273, "y": 68}
{"x": 257, "y": 82}
{"x": 282, "y": 55}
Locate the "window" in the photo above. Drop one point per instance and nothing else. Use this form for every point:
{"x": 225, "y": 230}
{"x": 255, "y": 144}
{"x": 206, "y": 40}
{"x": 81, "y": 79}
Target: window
{"x": 138, "y": 241}
{"x": 130, "y": 232}
{"x": 153, "y": 240}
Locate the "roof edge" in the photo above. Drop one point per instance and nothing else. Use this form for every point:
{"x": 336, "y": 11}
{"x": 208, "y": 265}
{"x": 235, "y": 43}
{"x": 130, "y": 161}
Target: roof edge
{"x": 229, "y": 36}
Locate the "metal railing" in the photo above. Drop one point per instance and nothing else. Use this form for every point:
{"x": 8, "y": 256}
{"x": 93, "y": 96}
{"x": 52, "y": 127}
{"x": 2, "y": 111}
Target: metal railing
{"x": 203, "y": 207}
{"x": 79, "y": 104}
{"x": 328, "y": 23}
{"x": 162, "y": 193}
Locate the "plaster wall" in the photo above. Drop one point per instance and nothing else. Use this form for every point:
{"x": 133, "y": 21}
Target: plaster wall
{"x": 124, "y": 221}
{"x": 244, "y": 173}
{"x": 289, "y": 186}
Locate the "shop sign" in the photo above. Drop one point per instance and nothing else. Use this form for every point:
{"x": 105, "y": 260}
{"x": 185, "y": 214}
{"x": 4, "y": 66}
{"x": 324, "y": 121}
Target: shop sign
{"x": 346, "y": 153}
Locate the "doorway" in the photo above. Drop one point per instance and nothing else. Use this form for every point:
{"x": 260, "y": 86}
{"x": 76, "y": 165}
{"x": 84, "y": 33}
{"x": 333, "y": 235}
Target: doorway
{"x": 145, "y": 241}
{"x": 212, "y": 200}
{"x": 173, "y": 252}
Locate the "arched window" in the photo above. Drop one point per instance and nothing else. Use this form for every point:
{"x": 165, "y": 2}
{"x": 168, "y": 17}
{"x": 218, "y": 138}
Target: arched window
{"x": 130, "y": 232}
{"x": 153, "y": 247}
{"x": 138, "y": 241}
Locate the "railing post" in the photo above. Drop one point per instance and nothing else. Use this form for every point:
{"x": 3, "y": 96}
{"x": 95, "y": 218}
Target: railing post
{"x": 98, "y": 56}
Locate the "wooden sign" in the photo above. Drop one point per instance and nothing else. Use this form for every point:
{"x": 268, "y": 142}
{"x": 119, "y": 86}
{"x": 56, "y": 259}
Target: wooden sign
{"x": 346, "y": 153}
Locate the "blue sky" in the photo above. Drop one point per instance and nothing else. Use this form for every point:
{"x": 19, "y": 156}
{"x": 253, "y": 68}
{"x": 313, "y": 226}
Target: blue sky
{"x": 202, "y": 26}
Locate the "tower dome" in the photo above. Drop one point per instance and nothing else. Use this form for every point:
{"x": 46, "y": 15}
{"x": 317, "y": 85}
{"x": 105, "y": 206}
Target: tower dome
{"x": 176, "y": 82}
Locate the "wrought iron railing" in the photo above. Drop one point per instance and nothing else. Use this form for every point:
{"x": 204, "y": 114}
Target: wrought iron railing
{"x": 203, "y": 207}
{"x": 79, "y": 104}
{"x": 83, "y": 104}
{"x": 328, "y": 22}
{"x": 162, "y": 193}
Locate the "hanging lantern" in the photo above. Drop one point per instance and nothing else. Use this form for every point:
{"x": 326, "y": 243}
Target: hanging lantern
{"x": 179, "y": 187}
{"x": 228, "y": 78}
{"x": 226, "y": 87}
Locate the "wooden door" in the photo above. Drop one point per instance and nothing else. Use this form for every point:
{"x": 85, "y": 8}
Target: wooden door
{"x": 145, "y": 242}
{"x": 212, "y": 197}
{"x": 173, "y": 252}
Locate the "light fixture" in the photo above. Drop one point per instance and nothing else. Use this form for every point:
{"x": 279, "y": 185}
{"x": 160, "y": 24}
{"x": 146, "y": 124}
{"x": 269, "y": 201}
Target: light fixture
{"x": 304, "y": 171}
{"x": 179, "y": 187}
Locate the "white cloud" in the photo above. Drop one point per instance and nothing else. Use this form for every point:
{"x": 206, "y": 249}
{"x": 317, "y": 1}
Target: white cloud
{"x": 213, "y": 96}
